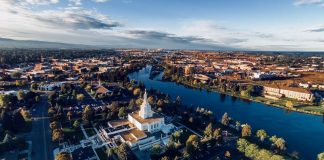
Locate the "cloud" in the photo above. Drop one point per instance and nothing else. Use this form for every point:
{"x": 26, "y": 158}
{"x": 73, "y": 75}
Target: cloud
{"x": 76, "y": 18}
{"x": 75, "y": 2}
{"x": 100, "y": 1}
{"x": 319, "y": 29}
{"x": 164, "y": 36}
{"x": 37, "y": 2}
{"x": 309, "y": 2}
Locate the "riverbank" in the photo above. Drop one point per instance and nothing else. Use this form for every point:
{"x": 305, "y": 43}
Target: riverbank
{"x": 269, "y": 102}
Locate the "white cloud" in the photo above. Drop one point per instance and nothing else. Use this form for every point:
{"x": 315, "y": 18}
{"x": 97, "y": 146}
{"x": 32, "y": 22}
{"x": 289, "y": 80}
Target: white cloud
{"x": 309, "y": 2}
{"x": 75, "y": 2}
{"x": 38, "y": 2}
{"x": 100, "y": 1}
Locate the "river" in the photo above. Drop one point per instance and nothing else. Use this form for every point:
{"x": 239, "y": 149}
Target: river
{"x": 303, "y": 133}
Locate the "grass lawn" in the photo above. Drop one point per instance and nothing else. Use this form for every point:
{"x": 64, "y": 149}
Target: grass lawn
{"x": 75, "y": 136}
{"x": 90, "y": 131}
{"x": 101, "y": 153}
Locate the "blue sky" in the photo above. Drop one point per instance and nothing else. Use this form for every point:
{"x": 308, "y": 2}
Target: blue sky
{"x": 295, "y": 25}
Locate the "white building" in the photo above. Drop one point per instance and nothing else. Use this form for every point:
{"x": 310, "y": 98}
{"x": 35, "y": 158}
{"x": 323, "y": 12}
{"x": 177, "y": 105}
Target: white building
{"x": 146, "y": 119}
{"x": 143, "y": 128}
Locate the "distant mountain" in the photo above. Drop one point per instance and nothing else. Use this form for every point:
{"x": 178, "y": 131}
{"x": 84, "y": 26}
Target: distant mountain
{"x": 10, "y": 43}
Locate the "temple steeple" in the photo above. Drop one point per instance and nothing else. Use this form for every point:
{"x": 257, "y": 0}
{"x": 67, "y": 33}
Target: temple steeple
{"x": 145, "y": 110}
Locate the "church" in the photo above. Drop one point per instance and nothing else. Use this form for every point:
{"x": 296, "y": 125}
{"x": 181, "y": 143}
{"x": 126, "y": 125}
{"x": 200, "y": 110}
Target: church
{"x": 146, "y": 119}
{"x": 142, "y": 128}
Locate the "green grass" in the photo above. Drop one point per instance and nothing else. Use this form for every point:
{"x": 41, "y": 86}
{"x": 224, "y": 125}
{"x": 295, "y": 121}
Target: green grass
{"x": 101, "y": 153}
{"x": 90, "y": 132}
{"x": 75, "y": 136}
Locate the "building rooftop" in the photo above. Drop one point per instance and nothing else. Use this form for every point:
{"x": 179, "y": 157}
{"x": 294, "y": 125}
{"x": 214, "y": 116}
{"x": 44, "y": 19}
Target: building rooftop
{"x": 133, "y": 135}
{"x": 152, "y": 119}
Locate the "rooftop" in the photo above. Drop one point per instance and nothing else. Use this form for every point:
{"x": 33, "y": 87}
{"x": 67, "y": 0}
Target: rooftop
{"x": 152, "y": 119}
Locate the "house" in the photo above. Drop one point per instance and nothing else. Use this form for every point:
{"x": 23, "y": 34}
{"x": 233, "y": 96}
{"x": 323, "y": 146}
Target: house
{"x": 276, "y": 92}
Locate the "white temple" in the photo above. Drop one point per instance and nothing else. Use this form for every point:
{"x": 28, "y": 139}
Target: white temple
{"x": 146, "y": 119}
{"x": 145, "y": 109}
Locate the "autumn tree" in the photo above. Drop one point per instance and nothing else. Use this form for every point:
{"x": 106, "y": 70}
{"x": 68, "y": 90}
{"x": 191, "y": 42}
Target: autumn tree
{"x": 246, "y": 130}
{"x": 208, "y": 131}
{"x": 261, "y": 134}
{"x": 63, "y": 156}
{"x": 225, "y": 119}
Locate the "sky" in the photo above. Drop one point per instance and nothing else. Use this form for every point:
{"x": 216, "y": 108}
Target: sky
{"x": 276, "y": 25}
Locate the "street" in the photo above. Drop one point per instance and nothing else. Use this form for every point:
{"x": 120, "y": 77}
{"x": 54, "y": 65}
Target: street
{"x": 40, "y": 135}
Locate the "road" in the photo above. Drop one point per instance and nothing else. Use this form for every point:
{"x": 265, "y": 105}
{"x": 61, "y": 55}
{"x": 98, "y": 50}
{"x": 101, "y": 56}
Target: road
{"x": 40, "y": 135}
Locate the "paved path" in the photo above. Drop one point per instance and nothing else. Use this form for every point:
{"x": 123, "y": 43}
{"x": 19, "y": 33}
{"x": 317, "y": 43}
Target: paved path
{"x": 41, "y": 133}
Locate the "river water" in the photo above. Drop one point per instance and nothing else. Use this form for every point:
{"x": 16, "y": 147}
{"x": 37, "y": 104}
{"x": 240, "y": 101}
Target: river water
{"x": 303, "y": 133}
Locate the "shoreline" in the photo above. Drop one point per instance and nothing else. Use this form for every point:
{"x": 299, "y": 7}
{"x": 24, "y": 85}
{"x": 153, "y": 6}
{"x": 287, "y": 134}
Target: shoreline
{"x": 250, "y": 99}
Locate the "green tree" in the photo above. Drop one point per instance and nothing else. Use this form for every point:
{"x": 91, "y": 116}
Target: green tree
{"x": 76, "y": 124}
{"x": 131, "y": 104}
{"x": 242, "y": 144}
{"x": 261, "y": 134}
{"x": 280, "y": 143}
{"x": 246, "y": 130}
{"x": 156, "y": 149}
{"x": 121, "y": 112}
{"x": 225, "y": 119}
{"x": 151, "y": 100}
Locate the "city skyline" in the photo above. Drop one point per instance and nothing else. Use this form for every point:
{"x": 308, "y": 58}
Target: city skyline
{"x": 289, "y": 25}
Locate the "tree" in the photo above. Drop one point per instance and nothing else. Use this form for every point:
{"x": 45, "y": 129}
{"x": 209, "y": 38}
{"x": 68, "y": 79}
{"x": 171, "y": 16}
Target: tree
{"x": 320, "y": 156}
{"x": 225, "y": 119}
{"x": 57, "y": 135}
{"x": 165, "y": 158}
{"x": 136, "y": 91}
{"x": 262, "y": 134}
{"x": 121, "y": 112}
{"x": 160, "y": 103}
{"x": 228, "y": 154}
{"x": 80, "y": 97}
{"x": 192, "y": 145}
{"x": 242, "y": 144}
{"x": 151, "y": 100}
{"x": 69, "y": 115}
{"x": 87, "y": 114}
{"x": 63, "y": 156}
{"x": 280, "y": 143}
{"x": 217, "y": 134}
{"x": 76, "y": 124}
{"x": 156, "y": 149}
{"x": 263, "y": 154}
{"x": 246, "y": 130}
{"x": 54, "y": 125}
{"x": 20, "y": 95}
{"x": 4, "y": 100}
{"x": 131, "y": 104}
{"x": 208, "y": 131}
{"x": 289, "y": 104}
{"x": 110, "y": 153}
{"x": 123, "y": 151}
